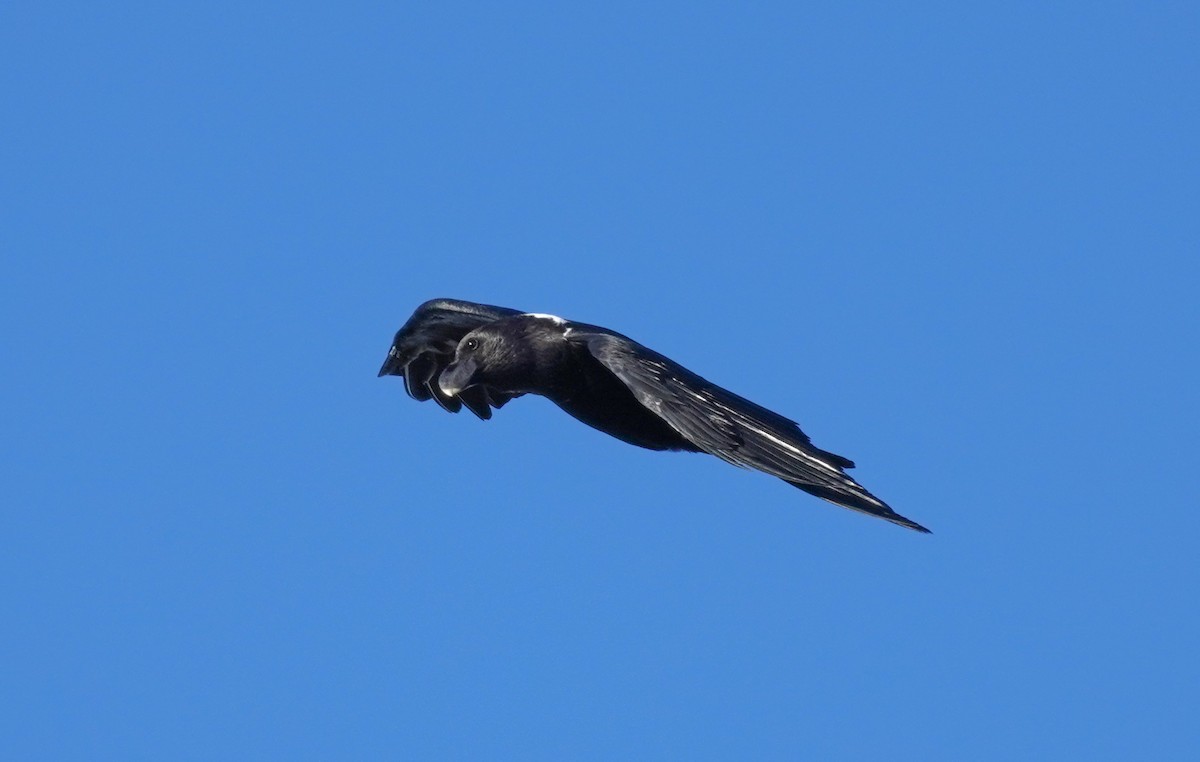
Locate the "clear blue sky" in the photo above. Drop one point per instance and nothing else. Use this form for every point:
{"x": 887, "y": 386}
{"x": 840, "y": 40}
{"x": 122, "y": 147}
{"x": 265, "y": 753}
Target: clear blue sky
{"x": 957, "y": 242}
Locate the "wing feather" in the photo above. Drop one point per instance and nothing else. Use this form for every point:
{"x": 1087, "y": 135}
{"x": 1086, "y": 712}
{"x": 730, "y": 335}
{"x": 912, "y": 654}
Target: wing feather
{"x": 731, "y": 427}
{"x": 425, "y": 345}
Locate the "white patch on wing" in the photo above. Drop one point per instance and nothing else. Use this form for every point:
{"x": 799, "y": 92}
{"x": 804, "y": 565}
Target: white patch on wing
{"x": 552, "y": 318}
{"x": 789, "y": 446}
{"x": 745, "y": 421}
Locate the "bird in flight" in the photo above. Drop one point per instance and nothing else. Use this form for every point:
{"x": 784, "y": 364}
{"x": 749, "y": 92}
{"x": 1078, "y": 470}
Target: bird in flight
{"x": 462, "y": 354}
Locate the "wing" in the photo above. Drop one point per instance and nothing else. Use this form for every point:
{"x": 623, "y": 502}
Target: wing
{"x": 425, "y": 345}
{"x": 732, "y": 428}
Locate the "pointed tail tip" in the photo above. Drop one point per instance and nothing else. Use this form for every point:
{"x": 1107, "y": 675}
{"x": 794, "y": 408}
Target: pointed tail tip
{"x": 860, "y": 500}
{"x": 907, "y": 523}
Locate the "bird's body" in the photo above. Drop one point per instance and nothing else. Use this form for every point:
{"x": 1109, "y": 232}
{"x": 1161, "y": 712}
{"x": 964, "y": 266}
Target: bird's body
{"x": 462, "y": 353}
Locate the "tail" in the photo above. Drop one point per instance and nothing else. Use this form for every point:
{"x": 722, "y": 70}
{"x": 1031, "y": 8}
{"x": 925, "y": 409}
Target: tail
{"x": 860, "y": 500}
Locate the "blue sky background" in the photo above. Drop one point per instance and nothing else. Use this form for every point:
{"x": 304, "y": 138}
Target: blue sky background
{"x": 958, "y": 243}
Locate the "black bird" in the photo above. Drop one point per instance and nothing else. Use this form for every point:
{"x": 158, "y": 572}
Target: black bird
{"x": 479, "y": 356}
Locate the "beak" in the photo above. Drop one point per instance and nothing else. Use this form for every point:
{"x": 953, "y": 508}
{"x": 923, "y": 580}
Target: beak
{"x": 457, "y": 376}
{"x": 392, "y": 365}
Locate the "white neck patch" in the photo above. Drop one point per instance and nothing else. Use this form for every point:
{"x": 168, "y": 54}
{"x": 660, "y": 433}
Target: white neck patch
{"x": 541, "y": 316}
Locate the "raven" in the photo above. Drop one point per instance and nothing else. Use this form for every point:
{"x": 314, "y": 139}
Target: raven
{"x": 463, "y": 354}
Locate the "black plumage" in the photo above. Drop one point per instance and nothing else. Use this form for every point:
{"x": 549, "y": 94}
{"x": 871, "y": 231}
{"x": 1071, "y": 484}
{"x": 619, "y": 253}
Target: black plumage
{"x": 463, "y": 354}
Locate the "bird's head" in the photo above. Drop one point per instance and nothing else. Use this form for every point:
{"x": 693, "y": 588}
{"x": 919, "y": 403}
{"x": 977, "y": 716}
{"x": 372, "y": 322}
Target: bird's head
{"x": 511, "y": 355}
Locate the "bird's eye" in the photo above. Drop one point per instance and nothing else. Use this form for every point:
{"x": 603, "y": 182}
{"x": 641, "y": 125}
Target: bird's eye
{"x": 471, "y": 344}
